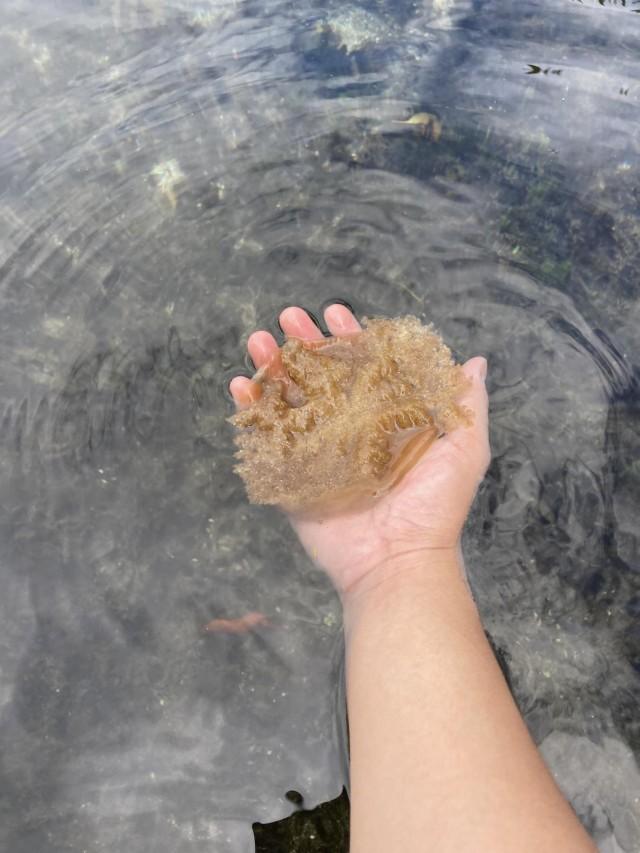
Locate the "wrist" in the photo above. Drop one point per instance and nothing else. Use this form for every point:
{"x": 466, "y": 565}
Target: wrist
{"x": 433, "y": 573}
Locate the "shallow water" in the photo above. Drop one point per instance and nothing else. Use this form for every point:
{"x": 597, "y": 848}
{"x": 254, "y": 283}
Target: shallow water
{"x": 171, "y": 175}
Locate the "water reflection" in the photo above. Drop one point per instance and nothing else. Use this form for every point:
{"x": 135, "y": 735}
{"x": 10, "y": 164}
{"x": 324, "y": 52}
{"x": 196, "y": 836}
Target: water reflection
{"x": 170, "y": 177}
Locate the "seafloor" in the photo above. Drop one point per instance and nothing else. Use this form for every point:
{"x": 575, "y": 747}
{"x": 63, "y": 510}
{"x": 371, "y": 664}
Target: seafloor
{"x": 171, "y": 176}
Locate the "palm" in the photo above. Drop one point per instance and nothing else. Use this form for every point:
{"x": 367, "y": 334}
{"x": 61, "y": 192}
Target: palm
{"x": 424, "y": 511}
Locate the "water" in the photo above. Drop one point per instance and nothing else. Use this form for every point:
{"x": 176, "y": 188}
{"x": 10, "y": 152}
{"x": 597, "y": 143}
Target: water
{"x": 171, "y": 176}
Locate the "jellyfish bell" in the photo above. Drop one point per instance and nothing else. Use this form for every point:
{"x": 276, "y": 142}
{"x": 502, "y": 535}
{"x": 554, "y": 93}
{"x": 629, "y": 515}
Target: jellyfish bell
{"x": 341, "y": 421}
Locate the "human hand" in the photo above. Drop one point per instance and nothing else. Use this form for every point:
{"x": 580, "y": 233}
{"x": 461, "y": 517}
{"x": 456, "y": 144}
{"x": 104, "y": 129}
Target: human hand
{"x": 422, "y": 515}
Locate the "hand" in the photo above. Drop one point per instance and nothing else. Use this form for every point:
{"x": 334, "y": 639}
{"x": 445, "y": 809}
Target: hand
{"x": 422, "y": 515}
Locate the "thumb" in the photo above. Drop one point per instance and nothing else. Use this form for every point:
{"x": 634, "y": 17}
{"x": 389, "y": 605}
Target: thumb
{"x": 476, "y": 399}
{"x": 476, "y": 366}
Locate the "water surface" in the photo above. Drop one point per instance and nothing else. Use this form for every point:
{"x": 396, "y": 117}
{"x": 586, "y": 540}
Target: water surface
{"x": 172, "y": 174}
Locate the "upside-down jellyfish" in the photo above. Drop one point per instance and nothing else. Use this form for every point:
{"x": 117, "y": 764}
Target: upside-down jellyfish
{"x": 342, "y": 420}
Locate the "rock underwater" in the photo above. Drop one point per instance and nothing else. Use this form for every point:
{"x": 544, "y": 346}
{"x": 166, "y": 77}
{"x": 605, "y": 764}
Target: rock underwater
{"x": 341, "y": 420}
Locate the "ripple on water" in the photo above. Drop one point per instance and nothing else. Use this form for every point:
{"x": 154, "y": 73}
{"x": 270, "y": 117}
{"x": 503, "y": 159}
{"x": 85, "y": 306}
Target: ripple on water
{"x": 170, "y": 177}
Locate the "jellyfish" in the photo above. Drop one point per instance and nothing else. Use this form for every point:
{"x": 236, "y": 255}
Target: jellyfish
{"x": 340, "y": 421}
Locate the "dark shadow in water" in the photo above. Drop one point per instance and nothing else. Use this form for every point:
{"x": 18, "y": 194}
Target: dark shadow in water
{"x": 324, "y": 829}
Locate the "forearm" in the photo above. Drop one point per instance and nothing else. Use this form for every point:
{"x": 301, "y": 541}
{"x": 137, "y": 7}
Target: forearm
{"x": 440, "y": 757}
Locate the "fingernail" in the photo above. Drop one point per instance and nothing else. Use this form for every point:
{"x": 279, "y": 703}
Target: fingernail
{"x": 482, "y": 370}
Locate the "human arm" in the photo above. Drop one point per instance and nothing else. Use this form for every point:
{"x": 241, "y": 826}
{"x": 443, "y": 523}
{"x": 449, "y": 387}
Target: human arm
{"x": 440, "y": 757}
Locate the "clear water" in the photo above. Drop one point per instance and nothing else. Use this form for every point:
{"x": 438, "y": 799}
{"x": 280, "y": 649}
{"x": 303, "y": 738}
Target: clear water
{"x": 171, "y": 175}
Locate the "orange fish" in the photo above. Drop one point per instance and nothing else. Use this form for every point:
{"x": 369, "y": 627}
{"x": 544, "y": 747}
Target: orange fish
{"x": 240, "y": 625}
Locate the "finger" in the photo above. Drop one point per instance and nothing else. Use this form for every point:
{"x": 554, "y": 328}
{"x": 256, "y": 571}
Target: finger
{"x": 340, "y": 321}
{"x": 296, "y": 323}
{"x": 244, "y": 391}
{"x": 475, "y": 438}
{"x": 262, "y": 348}
{"x": 475, "y": 396}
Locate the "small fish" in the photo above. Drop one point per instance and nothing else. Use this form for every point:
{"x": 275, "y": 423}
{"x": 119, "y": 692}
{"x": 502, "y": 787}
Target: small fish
{"x": 240, "y": 625}
{"x": 428, "y": 124}
{"x": 537, "y": 69}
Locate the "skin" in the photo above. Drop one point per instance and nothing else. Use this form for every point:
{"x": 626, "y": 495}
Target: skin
{"x": 440, "y": 757}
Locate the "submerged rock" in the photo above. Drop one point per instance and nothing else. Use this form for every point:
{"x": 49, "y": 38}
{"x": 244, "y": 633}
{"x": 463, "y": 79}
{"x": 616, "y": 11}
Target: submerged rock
{"x": 354, "y": 29}
{"x": 168, "y": 175}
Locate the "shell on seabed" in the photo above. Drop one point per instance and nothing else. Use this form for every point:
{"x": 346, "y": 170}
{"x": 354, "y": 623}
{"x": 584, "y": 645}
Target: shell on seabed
{"x": 427, "y": 123}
